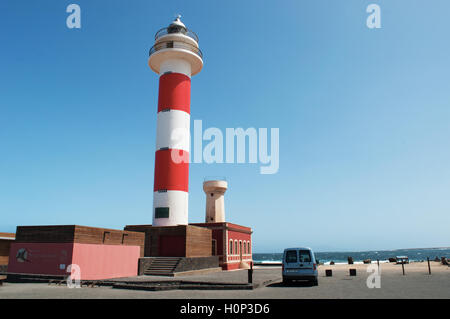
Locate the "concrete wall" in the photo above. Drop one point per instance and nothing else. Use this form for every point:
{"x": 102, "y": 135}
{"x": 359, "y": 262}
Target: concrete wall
{"x": 188, "y": 264}
{"x": 185, "y": 264}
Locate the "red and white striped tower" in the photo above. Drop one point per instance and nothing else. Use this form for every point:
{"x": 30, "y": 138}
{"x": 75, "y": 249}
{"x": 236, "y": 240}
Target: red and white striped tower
{"x": 176, "y": 57}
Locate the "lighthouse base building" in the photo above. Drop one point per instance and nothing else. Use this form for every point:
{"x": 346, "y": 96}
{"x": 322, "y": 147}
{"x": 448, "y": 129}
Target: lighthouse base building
{"x": 193, "y": 247}
{"x": 170, "y": 245}
{"x": 214, "y": 243}
{"x": 137, "y": 250}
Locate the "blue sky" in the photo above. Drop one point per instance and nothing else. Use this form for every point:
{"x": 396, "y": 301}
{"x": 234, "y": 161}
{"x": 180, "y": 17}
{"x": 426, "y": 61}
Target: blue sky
{"x": 364, "y": 117}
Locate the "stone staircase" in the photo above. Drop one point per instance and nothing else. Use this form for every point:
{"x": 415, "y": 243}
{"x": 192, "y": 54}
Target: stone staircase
{"x": 162, "y": 266}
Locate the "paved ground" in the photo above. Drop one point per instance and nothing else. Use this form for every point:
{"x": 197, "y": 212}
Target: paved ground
{"x": 416, "y": 284}
{"x": 260, "y": 276}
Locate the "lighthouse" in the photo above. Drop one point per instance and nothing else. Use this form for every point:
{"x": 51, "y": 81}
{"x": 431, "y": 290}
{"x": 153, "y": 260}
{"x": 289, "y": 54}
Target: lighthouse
{"x": 171, "y": 242}
{"x": 169, "y": 245}
{"x": 175, "y": 57}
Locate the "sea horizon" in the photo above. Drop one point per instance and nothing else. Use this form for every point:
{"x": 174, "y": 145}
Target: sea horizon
{"x": 414, "y": 254}
{"x": 344, "y": 251}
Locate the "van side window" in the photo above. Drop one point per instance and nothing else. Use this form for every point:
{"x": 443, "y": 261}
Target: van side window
{"x": 291, "y": 256}
{"x": 304, "y": 256}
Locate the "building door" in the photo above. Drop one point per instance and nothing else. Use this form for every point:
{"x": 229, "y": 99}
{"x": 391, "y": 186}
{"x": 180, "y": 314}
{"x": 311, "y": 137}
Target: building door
{"x": 214, "y": 247}
{"x": 172, "y": 246}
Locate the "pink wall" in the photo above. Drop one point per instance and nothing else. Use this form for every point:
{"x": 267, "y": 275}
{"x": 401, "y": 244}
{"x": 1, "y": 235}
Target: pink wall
{"x": 95, "y": 261}
{"x": 106, "y": 261}
{"x": 40, "y": 258}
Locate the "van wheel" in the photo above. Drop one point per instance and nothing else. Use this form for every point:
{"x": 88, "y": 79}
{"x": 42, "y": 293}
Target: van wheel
{"x": 286, "y": 281}
{"x": 315, "y": 282}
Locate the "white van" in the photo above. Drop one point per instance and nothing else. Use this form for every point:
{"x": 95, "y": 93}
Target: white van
{"x": 299, "y": 264}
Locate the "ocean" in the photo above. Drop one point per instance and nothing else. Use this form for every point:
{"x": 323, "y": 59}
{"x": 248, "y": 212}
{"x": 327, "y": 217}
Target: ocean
{"x": 416, "y": 254}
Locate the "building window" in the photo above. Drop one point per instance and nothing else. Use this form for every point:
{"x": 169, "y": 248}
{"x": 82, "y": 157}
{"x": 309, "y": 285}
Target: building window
{"x": 240, "y": 247}
{"x": 236, "y": 250}
{"x": 231, "y": 247}
{"x": 248, "y": 248}
{"x": 245, "y": 248}
{"x": 162, "y": 212}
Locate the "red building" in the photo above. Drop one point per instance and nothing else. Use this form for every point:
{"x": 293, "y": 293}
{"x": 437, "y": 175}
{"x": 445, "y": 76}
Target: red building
{"x": 232, "y": 243}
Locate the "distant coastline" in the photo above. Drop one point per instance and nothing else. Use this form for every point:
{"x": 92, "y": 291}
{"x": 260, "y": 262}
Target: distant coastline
{"x": 414, "y": 254}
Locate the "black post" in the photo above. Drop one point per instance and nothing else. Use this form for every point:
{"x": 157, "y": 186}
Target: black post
{"x": 429, "y": 268}
{"x": 250, "y": 274}
{"x": 403, "y": 267}
{"x": 378, "y": 263}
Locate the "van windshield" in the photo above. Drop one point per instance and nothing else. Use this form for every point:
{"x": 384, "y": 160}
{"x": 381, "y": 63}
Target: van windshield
{"x": 291, "y": 256}
{"x": 304, "y": 256}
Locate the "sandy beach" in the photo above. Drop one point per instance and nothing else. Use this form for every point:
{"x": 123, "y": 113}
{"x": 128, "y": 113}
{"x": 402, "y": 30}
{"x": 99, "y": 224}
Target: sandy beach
{"x": 416, "y": 283}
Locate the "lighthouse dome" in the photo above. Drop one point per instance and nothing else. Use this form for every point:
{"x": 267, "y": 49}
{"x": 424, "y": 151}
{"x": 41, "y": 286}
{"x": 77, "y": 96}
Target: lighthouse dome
{"x": 177, "y": 22}
{"x": 177, "y": 26}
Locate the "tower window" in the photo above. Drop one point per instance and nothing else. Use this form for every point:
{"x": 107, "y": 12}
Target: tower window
{"x": 162, "y": 212}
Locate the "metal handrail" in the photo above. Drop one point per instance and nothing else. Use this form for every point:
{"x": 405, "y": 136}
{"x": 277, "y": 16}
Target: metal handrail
{"x": 175, "y": 45}
{"x": 187, "y": 32}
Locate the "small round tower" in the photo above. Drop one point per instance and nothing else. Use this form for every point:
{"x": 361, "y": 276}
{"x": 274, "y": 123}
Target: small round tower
{"x": 215, "y": 204}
